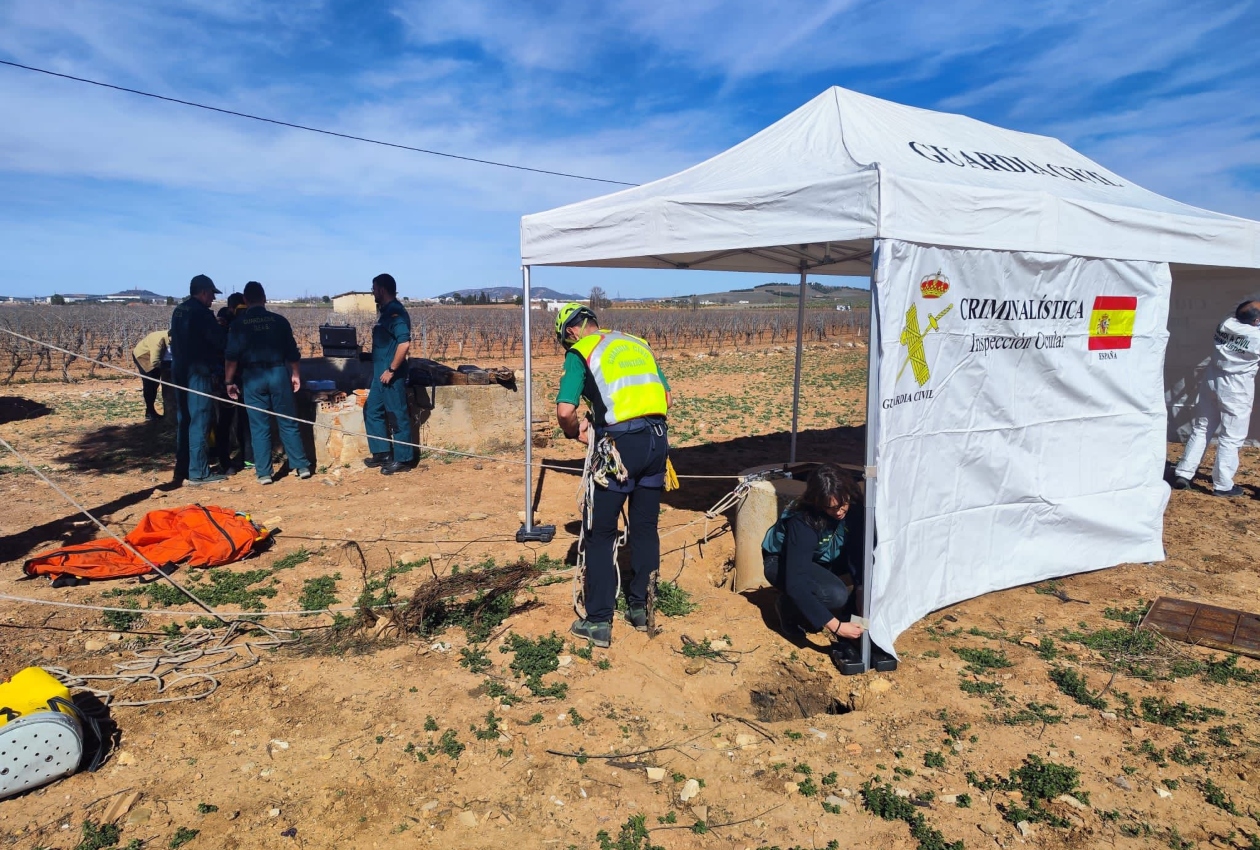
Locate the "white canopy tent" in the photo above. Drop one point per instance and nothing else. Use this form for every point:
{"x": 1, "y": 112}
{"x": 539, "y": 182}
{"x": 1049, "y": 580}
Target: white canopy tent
{"x": 1027, "y": 439}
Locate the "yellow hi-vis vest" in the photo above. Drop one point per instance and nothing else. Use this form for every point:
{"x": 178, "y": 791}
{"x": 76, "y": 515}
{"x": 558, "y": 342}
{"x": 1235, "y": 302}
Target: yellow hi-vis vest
{"x": 625, "y": 374}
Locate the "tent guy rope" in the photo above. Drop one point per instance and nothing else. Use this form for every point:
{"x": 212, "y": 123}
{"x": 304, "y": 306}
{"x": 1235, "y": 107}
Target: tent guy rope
{"x": 418, "y": 446}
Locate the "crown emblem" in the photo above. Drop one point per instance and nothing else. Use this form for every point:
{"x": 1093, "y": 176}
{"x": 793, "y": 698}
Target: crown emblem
{"x": 934, "y": 285}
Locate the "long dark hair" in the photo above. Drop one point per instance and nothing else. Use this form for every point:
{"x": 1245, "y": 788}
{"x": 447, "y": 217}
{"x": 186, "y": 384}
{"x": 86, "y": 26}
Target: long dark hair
{"x": 826, "y": 483}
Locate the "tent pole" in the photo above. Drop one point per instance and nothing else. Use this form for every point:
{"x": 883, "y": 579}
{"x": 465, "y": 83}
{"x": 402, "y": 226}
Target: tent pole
{"x": 872, "y": 471}
{"x": 796, "y": 379}
{"x": 527, "y": 531}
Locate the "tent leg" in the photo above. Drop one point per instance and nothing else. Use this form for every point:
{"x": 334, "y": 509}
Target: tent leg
{"x": 872, "y": 472}
{"x": 796, "y": 379}
{"x": 528, "y": 532}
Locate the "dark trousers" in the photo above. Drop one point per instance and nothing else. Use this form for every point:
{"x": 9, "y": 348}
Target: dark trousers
{"x": 194, "y": 417}
{"x": 270, "y": 388}
{"x": 818, "y": 581}
{"x": 232, "y": 421}
{"x": 150, "y": 387}
{"x": 388, "y": 399}
{"x": 643, "y": 453}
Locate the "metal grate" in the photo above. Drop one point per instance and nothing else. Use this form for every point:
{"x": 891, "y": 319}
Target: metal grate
{"x": 1206, "y": 625}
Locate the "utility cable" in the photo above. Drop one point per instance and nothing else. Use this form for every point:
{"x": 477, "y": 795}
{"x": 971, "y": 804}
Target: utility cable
{"x": 221, "y": 400}
{"x": 291, "y": 125}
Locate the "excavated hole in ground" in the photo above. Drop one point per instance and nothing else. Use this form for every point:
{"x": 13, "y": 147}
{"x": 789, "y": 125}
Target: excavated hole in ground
{"x": 794, "y": 692}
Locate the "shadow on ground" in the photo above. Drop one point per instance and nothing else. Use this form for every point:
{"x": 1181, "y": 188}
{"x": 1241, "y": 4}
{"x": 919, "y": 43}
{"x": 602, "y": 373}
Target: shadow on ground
{"x": 70, "y": 529}
{"x": 134, "y": 447}
{"x": 16, "y": 409}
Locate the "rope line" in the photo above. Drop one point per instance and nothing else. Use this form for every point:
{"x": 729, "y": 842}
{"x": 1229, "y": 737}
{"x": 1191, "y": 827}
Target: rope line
{"x": 165, "y": 666}
{"x": 169, "y": 612}
{"x": 418, "y": 446}
{"x": 319, "y": 130}
{"x": 31, "y": 466}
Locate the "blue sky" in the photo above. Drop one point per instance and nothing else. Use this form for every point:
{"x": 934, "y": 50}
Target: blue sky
{"x": 101, "y": 191}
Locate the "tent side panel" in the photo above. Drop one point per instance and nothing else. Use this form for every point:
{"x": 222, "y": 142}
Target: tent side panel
{"x": 1021, "y": 428}
{"x": 1201, "y": 298}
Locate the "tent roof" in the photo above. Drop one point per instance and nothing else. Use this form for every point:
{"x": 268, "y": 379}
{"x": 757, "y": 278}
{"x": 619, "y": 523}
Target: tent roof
{"x": 817, "y": 186}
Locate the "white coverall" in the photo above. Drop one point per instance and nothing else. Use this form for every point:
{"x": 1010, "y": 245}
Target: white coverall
{"x": 1225, "y": 396}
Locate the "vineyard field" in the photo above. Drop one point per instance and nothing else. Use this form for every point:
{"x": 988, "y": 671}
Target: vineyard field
{"x": 108, "y": 333}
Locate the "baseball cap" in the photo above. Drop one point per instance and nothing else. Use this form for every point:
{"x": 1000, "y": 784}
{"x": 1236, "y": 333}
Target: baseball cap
{"x": 200, "y": 282}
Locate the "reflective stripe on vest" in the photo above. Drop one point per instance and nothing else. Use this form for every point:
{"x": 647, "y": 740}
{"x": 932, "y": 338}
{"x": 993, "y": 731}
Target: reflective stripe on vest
{"x": 625, "y": 374}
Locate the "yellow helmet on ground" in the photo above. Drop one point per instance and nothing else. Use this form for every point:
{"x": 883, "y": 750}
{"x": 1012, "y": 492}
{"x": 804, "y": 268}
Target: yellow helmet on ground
{"x": 568, "y": 315}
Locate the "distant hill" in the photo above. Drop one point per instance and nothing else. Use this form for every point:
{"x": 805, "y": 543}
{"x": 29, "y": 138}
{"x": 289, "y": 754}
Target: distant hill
{"x": 507, "y": 293}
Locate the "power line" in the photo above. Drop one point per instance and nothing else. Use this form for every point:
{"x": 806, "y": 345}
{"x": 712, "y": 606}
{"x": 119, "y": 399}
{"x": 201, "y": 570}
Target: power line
{"x": 311, "y": 129}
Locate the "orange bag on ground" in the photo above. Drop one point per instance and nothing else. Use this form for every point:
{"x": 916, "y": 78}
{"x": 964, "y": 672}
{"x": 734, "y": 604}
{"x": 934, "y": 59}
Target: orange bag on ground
{"x": 193, "y": 535}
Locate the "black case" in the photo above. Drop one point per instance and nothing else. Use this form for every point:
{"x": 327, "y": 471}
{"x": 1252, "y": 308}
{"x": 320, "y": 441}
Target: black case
{"x": 339, "y": 341}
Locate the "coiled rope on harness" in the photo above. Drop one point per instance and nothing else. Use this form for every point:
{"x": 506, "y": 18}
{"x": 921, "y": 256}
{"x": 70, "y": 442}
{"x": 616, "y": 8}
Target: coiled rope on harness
{"x": 602, "y": 461}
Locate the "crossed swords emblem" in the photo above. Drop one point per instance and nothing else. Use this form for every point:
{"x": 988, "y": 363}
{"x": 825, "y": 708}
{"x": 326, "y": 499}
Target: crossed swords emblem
{"x": 912, "y": 339}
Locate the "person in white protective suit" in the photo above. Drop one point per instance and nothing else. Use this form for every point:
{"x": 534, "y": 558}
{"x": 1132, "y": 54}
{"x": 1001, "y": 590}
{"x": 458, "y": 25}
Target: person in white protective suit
{"x": 1226, "y": 392}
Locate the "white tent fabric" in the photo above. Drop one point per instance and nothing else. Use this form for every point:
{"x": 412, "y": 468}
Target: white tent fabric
{"x": 845, "y": 168}
{"x": 817, "y": 191}
{"x": 1015, "y": 441}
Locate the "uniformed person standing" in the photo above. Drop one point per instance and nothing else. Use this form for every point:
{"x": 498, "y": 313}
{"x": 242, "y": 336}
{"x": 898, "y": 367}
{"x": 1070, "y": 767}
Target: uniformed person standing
{"x": 233, "y": 421}
{"x": 628, "y": 396}
{"x": 261, "y": 345}
{"x": 391, "y": 338}
{"x": 197, "y": 343}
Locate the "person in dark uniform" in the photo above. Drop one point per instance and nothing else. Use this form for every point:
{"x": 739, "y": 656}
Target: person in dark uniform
{"x": 628, "y": 398}
{"x": 232, "y": 421}
{"x": 813, "y": 556}
{"x": 391, "y": 338}
{"x": 197, "y": 343}
{"x": 261, "y": 346}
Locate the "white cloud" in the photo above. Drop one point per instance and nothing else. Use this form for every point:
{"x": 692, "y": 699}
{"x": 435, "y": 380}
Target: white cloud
{"x": 1160, "y": 92}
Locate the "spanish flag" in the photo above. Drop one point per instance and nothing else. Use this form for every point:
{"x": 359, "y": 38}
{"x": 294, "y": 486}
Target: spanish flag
{"x": 1111, "y": 322}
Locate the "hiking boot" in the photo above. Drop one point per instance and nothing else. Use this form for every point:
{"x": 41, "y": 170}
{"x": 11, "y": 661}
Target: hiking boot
{"x": 636, "y": 615}
{"x": 599, "y": 634}
{"x": 212, "y": 478}
{"x": 790, "y": 624}
{"x": 376, "y": 460}
{"x": 1179, "y": 483}
{"x": 1232, "y": 493}
{"x": 264, "y": 479}
{"x": 846, "y": 654}
{"x": 393, "y": 466}
{"x": 304, "y": 473}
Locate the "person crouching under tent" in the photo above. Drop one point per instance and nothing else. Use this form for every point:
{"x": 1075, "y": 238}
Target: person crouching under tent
{"x": 813, "y": 556}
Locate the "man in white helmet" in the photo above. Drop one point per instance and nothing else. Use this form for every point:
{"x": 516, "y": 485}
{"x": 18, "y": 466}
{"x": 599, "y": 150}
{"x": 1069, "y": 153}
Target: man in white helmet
{"x": 1225, "y": 396}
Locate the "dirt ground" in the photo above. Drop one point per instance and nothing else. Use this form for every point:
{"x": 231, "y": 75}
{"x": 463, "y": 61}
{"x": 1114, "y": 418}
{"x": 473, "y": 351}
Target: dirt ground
{"x": 356, "y": 741}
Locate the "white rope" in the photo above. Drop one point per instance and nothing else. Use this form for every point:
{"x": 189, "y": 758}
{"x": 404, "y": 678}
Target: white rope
{"x": 173, "y": 656}
{"x": 418, "y": 446}
{"x": 31, "y": 466}
{"x": 170, "y": 612}
{"x": 586, "y": 505}
{"x": 174, "y": 664}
